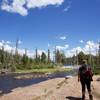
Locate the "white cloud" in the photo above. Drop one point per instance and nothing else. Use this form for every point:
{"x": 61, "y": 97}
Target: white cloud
{"x": 1, "y": 44}
{"x": 68, "y": 7}
{"x": 63, "y": 37}
{"x": 89, "y": 47}
{"x": 8, "y": 42}
{"x": 76, "y": 49}
{"x": 8, "y": 48}
{"x": 4, "y": 42}
{"x": 21, "y": 51}
{"x": 22, "y": 6}
{"x": 19, "y": 42}
{"x": 81, "y": 41}
{"x": 73, "y": 51}
{"x": 62, "y": 47}
{"x": 40, "y": 51}
{"x": 6, "y": 45}
{"x": 42, "y": 3}
{"x": 17, "y": 6}
{"x": 12, "y": 49}
{"x": 91, "y": 44}
{"x": 49, "y": 45}
{"x": 92, "y": 47}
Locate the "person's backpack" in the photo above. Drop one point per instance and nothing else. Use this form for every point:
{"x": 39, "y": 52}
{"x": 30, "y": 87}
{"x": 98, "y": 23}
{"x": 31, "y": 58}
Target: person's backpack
{"x": 86, "y": 72}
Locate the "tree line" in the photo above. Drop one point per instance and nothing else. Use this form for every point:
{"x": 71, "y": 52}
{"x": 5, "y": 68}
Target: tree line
{"x": 12, "y": 61}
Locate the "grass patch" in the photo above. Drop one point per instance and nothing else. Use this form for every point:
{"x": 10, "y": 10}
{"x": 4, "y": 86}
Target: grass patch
{"x": 45, "y": 70}
{"x": 96, "y": 69}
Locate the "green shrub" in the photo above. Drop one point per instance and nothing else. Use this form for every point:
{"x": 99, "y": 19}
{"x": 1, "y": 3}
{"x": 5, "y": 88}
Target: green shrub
{"x": 96, "y": 69}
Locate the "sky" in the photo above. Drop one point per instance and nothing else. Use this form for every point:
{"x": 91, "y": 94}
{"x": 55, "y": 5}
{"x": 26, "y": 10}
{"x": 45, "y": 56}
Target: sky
{"x": 69, "y": 25}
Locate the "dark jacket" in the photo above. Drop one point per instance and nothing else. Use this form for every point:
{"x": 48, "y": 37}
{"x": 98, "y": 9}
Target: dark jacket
{"x": 85, "y": 73}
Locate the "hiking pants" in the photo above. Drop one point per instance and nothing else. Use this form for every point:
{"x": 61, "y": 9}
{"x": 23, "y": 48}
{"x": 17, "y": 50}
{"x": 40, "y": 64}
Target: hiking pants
{"x": 86, "y": 83}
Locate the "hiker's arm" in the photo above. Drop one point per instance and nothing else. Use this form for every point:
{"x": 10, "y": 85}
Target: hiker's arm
{"x": 91, "y": 69}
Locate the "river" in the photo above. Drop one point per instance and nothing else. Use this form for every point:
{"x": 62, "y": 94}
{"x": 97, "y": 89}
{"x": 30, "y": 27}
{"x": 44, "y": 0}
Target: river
{"x": 9, "y": 82}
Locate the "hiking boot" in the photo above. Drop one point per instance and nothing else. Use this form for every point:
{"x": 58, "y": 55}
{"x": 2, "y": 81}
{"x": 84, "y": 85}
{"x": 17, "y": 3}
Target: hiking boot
{"x": 83, "y": 97}
{"x": 91, "y": 97}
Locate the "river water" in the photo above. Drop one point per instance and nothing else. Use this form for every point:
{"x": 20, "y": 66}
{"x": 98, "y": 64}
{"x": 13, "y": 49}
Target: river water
{"x": 8, "y": 82}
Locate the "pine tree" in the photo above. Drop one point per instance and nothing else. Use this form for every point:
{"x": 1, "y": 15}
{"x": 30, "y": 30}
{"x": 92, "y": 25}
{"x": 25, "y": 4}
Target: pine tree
{"x": 43, "y": 58}
{"x": 48, "y": 56}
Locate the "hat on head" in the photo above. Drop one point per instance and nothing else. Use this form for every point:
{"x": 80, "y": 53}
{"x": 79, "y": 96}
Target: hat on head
{"x": 84, "y": 61}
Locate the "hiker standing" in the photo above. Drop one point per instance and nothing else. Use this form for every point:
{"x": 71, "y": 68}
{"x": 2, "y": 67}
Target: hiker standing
{"x": 85, "y": 77}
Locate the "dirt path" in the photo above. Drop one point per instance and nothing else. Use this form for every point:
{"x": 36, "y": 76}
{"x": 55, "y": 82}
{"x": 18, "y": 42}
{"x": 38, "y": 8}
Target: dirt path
{"x": 52, "y": 89}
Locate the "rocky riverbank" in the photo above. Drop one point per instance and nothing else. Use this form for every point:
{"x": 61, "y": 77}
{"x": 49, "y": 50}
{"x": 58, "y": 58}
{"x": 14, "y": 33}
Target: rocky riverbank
{"x": 52, "y": 89}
